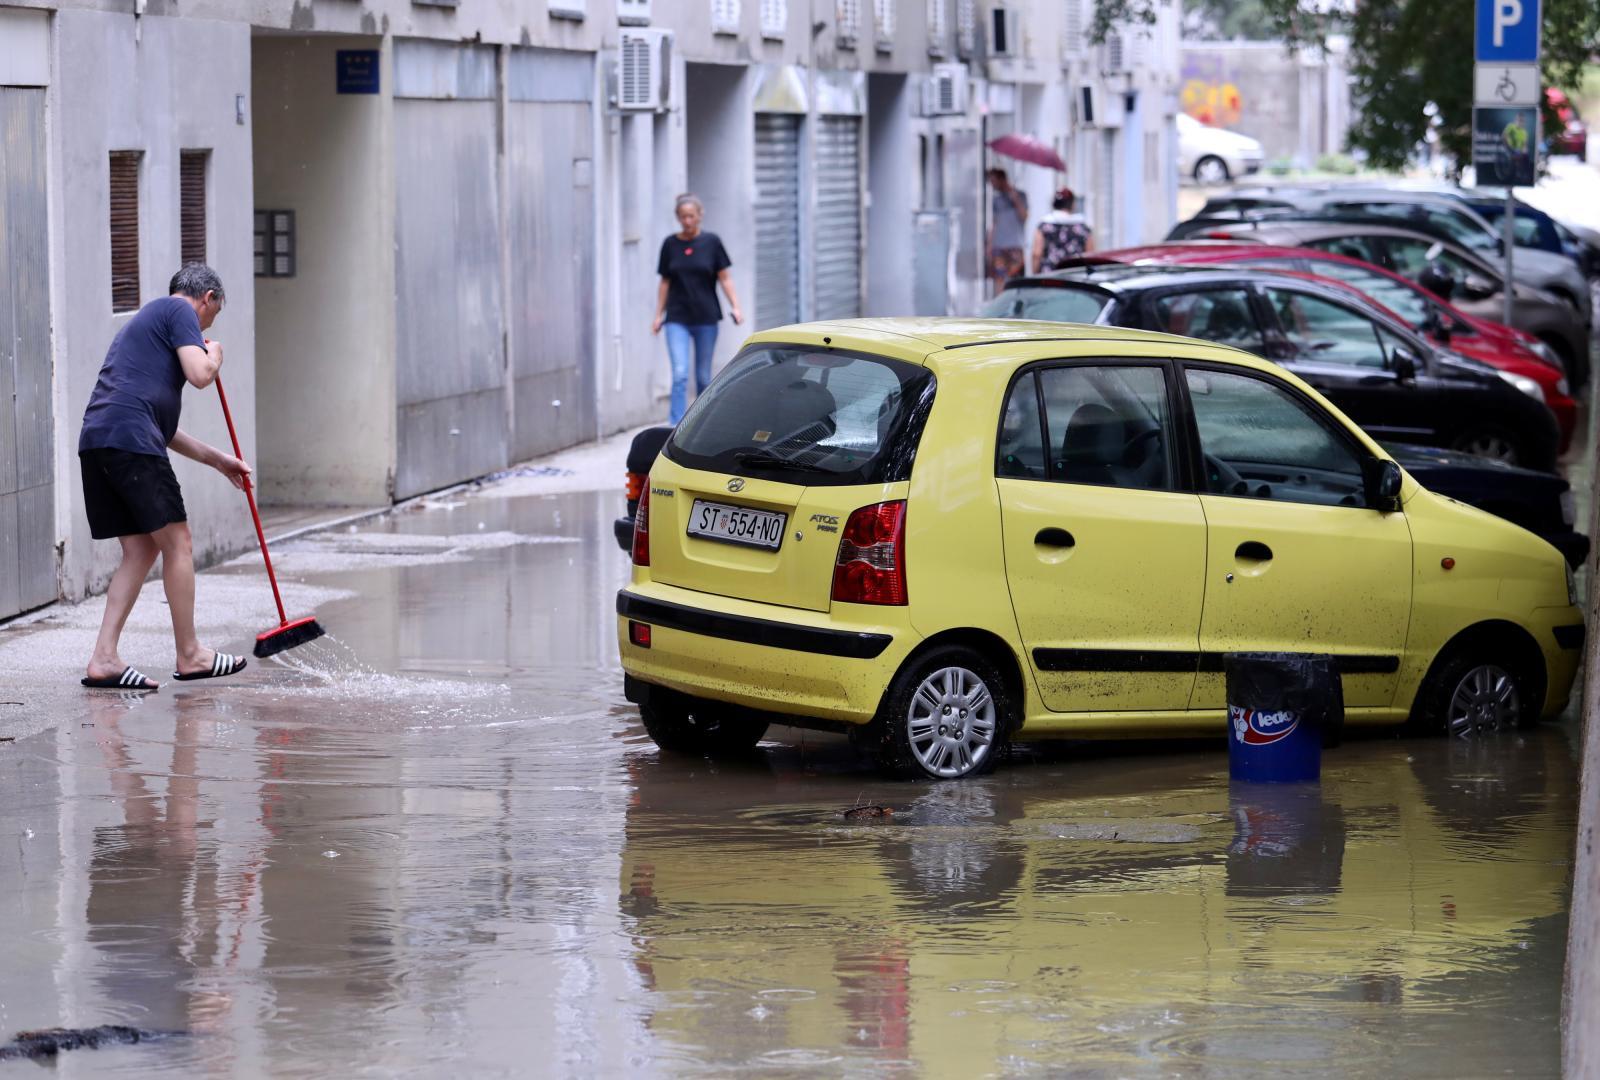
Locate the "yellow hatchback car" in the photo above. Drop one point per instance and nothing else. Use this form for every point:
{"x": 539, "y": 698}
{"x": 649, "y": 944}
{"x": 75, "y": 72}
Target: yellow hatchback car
{"x": 940, "y": 535}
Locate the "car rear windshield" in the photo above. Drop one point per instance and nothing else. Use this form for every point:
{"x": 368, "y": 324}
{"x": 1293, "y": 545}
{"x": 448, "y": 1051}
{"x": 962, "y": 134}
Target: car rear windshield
{"x": 808, "y": 416}
{"x": 1052, "y": 303}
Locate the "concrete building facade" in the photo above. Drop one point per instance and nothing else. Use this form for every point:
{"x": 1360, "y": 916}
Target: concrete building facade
{"x": 438, "y": 220}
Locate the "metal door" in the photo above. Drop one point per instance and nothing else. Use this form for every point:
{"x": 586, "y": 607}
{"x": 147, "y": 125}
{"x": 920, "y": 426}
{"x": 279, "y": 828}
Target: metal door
{"x": 838, "y": 232}
{"x": 777, "y": 219}
{"x": 450, "y": 379}
{"x": 550, "y": 157}
{"x": 27, "y": 466}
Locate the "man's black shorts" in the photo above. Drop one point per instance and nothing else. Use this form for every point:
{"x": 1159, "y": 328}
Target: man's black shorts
{"x": 127, "y": 493}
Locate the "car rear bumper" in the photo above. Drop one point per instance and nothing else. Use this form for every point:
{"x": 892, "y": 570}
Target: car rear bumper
{"x": 784, "y": 660}
{"x": 622, "y": 529}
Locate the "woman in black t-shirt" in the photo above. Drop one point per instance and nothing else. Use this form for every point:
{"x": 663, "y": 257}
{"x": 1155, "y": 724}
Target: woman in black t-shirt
{"x": 692, "y": 263}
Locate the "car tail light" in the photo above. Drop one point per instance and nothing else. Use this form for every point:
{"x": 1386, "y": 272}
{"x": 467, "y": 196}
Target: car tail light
{"x": 639, "y": 633}
{"x": 635, "y": 486}
{"x": 641, "y": 528}
{"x": 871, "y": 567}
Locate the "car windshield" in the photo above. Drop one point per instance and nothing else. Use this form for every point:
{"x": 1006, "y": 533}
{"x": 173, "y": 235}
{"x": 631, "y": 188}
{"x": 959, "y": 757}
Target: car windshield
{"x": 808, "y": 416}
{"x": 1052, "y": 303}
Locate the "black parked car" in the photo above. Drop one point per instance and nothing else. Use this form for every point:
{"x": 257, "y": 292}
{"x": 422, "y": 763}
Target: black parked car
{"x": 1372, "y": 366}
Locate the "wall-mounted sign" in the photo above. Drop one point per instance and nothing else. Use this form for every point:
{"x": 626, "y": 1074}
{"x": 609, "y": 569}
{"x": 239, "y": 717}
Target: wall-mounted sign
{"x": 1503, "y": 145}
{"x": 357, "y": 71}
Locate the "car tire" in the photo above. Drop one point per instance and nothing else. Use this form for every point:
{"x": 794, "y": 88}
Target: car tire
{"x": 1473, "y": 690}
{"x": 680, "y": 724}
{"x": 946, "y": 716}
{"x": 1211, "y": 170}
{"x": 1491, "y": 443}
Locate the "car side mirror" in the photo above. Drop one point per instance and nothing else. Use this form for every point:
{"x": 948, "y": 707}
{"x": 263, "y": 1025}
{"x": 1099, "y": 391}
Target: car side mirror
{"x": 1404, "y": 363}
{"x": 1476, "y": 288}
{"x": 1383, "y": 479}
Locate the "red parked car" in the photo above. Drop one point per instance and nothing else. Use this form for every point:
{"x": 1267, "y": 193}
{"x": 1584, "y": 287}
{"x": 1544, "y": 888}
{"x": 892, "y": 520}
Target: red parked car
{"x": 1490, "y": 342}
{"x": 1570, "y": 135}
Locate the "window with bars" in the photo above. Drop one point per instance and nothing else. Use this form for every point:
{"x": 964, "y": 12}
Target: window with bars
{"x": 847, "y": 25}
{"x": 125, "y": 229}
{"x": 938, "y": 26}
{"x": 725, "y": 16}
{"x": 1075, "y": 30}
{"x": 192, "y": 204}
{"x": 275, "y": 243}
{"x": 774, "y": 18}
{"x": 883, "y": 24}
{"x": 966, "y": 26}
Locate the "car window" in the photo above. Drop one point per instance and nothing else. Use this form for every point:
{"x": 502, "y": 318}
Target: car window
{"x": 1397, "y": 296}
{"x": 1351, "y": 247}
{"x": 1220, "y": 315}
{"x": 1325, "y": 332}
{"x": 1108, "y": 425}
{"x": 1021, "y": 434}
{"x": 1048, "y": 302}
{"x": 806, "y": 416}
{"x": 1410, "y": 257}
{"x": 1261, "y": 441}
{"x": 1457, "y": 226}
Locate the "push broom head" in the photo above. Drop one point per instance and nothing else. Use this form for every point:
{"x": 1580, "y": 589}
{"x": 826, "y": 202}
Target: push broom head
{"x": 288, "y": 636}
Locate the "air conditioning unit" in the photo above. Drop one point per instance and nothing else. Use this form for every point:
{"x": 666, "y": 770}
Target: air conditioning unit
{"x": 644, "y": 71}
{"x": 1099, "y": 110}
{"x": 945, "y": 92}
{"x": 633, "y": 12}
{"x": 1005, "y": 33}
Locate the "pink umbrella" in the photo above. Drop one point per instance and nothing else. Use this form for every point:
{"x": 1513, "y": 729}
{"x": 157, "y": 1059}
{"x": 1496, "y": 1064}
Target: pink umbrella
{"x": 1028, "y": 148}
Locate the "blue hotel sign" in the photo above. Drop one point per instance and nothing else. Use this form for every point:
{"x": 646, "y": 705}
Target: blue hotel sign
{"x": 357, "y": 71}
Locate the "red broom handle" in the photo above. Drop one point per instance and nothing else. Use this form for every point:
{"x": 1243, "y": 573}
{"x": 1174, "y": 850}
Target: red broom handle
{"x": 283, "y": 616}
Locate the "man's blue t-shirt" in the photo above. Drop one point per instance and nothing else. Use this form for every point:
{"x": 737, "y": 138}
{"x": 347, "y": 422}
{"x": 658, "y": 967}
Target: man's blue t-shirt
{"x": 137, "y": 398}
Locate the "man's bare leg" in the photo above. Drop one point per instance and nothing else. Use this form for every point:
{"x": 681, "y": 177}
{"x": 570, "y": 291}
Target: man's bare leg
{"x": 138, "y": 555}
{"x": 177, "y": 575}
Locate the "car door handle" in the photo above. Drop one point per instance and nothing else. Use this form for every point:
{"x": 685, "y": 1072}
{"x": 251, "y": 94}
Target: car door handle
{"x": 1252, "y": 551}
{"x": 1059, "y": 538}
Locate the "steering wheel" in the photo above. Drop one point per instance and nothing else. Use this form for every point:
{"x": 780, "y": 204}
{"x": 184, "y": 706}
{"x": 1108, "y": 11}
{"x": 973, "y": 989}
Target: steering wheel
{"x": 1229, "y": 481}
{"x": 1148, "y": 435}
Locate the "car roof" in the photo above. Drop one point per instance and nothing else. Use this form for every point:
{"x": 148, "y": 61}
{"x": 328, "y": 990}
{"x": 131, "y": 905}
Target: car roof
{"x": 944, "y": 333}
{"x": 1136, "y": 277}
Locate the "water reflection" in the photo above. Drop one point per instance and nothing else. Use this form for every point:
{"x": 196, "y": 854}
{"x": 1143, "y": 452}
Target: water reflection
{"x": 1121, "y": 917}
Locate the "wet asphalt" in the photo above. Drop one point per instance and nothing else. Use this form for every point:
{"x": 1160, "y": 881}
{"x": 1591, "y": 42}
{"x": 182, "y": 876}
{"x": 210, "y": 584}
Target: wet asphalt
{"x": 439, "y": 843}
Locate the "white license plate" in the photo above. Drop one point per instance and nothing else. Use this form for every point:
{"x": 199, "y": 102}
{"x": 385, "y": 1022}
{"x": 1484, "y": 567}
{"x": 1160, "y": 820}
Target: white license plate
{"x": 736, "y": 524}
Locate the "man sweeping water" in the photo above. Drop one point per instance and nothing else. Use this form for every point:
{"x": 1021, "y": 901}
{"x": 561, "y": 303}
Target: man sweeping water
{"x": 129, "y": 489}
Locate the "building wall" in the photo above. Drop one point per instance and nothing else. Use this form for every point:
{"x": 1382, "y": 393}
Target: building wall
{"x": 1296, "y": 103}
{"x": 329, "y": 158}
{"x": 157, "y": 85}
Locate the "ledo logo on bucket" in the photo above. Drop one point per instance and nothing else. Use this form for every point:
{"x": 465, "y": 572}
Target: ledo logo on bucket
{"x": 1261, "y": 728}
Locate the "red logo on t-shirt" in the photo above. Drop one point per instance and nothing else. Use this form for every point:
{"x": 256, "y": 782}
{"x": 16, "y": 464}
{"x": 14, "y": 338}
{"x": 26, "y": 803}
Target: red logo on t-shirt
{"x": 688, "y": 251}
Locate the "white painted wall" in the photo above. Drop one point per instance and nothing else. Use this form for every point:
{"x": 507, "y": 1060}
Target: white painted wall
{"x": 156, "y": 85}
{"x": 325, "y": 341}
{"x": 893, "y": 183}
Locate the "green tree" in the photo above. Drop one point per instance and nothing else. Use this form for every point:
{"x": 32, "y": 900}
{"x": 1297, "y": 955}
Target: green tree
{"x": 1404, "y": 55}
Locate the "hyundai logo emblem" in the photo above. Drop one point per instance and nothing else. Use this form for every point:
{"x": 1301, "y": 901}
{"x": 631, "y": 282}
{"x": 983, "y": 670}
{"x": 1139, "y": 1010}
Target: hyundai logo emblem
{"x": 736, "y": 484}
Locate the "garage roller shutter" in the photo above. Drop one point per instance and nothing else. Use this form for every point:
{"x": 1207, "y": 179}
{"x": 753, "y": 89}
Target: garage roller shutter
{"x": 838, "y": 234}
{"x": 777, "y": 219}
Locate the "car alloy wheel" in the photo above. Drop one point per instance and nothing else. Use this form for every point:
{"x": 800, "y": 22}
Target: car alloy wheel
{"x": 1490, "y": 445}
{"x": 951, "y": 723}
{"x": 1211, "y": 170}
{"x": 1485, "y": 699}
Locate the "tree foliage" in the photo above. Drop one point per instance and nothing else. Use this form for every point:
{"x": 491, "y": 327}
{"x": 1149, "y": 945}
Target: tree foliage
{"x": 1404, "y": 55}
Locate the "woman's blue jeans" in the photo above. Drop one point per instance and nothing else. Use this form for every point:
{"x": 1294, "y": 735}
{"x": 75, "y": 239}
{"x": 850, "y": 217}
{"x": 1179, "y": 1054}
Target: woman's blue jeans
{"x": 679, "y": 337}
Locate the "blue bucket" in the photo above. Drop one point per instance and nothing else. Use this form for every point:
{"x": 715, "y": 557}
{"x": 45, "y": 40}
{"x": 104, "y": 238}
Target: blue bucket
{"x": 1280, "y": 708}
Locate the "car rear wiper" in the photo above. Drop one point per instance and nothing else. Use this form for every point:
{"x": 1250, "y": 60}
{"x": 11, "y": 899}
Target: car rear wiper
{"x": 753, "y": 460}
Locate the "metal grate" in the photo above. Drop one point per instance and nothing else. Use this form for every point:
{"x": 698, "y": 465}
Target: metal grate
{"x": 848, "y": 23}
{"x": 938, "y": 26}
{"x": 774, "y": 18}
{"x": 275, "y": 243}
{"x": 125, "y": 229}
{"x": 1073, "y": 32}
{"x": 777, "y": 209}
{"x": 192, "y": 204}
{"x": 725, "y": 16}
{"x": 966, "y": 26}
{"x": 838, "y": 233}
{"x": 883, "y": 23}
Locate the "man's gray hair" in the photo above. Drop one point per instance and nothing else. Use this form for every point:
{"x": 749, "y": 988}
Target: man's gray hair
{"x": 196, "y": 279}
{"x": 688, "y": 199}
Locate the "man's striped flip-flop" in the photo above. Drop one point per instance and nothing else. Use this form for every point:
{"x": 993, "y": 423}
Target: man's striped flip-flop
{"x": 222, "y": 664}
{"x": 130, "y": 679}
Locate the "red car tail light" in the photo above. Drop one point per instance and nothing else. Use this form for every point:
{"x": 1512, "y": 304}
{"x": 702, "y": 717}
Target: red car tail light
{"x": 871, "y": 567}
{"x": 635, "y": 486}
{"x": 641, "y": 528}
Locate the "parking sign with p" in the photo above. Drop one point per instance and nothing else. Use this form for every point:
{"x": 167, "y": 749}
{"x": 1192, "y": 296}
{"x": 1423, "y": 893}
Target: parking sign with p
{"x": 1508, "y": 31}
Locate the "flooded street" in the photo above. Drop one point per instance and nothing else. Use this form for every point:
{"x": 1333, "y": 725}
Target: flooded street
{"x": 439, "y": 842}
